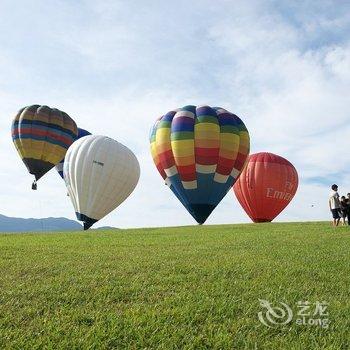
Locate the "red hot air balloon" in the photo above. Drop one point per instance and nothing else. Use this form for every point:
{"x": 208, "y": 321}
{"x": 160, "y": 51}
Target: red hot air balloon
{"x": 266, "y": 186}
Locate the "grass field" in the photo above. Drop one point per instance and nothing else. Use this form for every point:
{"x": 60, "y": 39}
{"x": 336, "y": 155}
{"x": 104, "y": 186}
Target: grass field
{"x": 173, "y": 288}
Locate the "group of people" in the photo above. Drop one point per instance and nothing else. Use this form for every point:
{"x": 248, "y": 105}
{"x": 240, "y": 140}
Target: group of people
{"x": 339, "y": 206}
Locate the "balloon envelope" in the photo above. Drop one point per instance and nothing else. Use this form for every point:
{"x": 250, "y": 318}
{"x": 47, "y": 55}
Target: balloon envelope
{"x": 266, "y": 186}
{"x": 100, "y": 173}
{"x": 42, "y": 136}
{"x": 199, "y": 151}
{"x": 81, "y": 133}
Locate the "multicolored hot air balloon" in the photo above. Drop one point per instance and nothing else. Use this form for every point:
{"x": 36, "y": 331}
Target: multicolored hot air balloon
{"x": 100, "y": 173}
{"x": 199, "y": 151}
{"x": 59, "y": 166}
{"x": 42, "y": 136}
{"x": 266, "y": 186}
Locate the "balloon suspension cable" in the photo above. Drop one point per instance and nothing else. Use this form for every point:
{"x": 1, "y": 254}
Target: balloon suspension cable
{"x": 34, "y": 185}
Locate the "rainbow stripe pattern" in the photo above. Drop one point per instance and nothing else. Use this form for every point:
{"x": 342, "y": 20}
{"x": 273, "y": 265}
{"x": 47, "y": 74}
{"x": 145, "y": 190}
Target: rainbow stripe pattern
{"x": 199, "y": 151}
{"x": 42, "y": 136}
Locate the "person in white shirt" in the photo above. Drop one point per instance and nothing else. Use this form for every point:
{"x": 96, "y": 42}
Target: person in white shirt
{"x": 334, "y": 204}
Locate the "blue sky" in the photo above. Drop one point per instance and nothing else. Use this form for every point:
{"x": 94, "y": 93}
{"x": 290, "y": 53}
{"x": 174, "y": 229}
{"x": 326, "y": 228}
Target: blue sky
{"x": 115, "y": 66}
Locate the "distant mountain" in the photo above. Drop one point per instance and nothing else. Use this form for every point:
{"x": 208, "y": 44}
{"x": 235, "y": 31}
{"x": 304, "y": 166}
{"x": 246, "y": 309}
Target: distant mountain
{"x": 8, "y": 224}
{"x": 106, "y": 228}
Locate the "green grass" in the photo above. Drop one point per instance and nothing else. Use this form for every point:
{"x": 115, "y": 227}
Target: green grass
{"x": 173, "y": 288}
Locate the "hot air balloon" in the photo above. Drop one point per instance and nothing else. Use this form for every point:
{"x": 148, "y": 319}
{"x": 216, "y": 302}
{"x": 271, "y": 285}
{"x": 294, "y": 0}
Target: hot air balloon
{"x": 42, "y": 136}
{"x": 100, "y": 173}
{"x": 266, "y": 186}
{"x": 59, "y": 166}
{"x": 199, "y": 151}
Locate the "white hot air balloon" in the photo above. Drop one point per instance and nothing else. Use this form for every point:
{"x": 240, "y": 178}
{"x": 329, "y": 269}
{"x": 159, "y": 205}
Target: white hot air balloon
{"x": 100, "y": 173}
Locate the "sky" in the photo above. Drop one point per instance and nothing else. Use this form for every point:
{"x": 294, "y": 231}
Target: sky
{"x": 116, "y": 66}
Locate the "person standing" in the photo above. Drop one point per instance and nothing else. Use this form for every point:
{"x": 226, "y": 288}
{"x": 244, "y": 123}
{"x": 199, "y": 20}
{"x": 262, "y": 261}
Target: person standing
{"x": 348, "y": 201}
{"x": 334, "y": 204}
{"x": 344, "y": 209}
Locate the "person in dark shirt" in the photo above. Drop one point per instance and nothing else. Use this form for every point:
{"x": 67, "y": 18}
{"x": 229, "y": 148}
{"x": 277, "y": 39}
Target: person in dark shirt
{"x": 348, "y": 201}
{"x": 344, "y": 209}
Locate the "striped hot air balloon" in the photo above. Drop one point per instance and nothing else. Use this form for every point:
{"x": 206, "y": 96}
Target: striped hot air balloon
{"x": 42, "y": 136}
{"x": 59, "y": 166}
{"x": 199, "y": 151}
